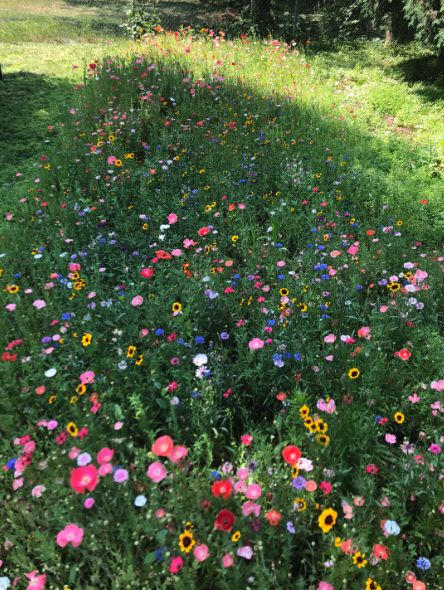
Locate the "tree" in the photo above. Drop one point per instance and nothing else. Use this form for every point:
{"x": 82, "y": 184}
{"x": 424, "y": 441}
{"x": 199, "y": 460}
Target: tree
{"x": 427, "y": 20}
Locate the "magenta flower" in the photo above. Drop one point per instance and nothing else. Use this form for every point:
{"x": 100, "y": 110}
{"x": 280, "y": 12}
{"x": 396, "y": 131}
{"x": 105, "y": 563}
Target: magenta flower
{"x": 36, "y": 582}
{"x": 120, "y": 475}
{"x": 201, "y": 552}
{"x": 89, "y": 502}
{"x": 253, "y": 491}
{"x": 70, "y": 534}
{"x": 87, "y": 377}
{"x": 434, "y": 448}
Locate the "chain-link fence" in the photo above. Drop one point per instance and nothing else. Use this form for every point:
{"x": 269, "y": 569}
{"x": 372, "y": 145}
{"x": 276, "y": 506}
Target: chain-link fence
{"x": 95, "y": 20}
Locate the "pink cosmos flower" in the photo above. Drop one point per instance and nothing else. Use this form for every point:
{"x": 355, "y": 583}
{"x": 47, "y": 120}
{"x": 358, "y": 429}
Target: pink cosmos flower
{"x": 111, "y": 160}
{"x": 330, "y": 338}
{"x": 414, "y": 398}
{"x": 87, "y": 377}
{"x": 160, "y": 513}
{"x": 11, "y": 306}
{"x": 74, "y": 453}
{"x": 39, "y": 303}
{"x": 176, "y": 252}
{"x": 70, "y": 534}
{"x": 383, "y": 308}
{"x": 52, "y": 424}
{"x": 36, "y": 582}
{"x": 201, "y": 552}
{"x": 177, "y": 453}
{"x": 246, "y": 552}
{"x": 329, "y": 357}
{"x": 17, "y": 483}
{"x": 105, "y": 469}
{"x": 89, "y": 502}
{"x": 251, "y": 508}
{"x": 137, "y": 300}
{"x": 172, "y": 218}
{"x": 38, "y": 491}
{"x": 227, "y": 560}
{"x": 104, "y": 456}
{"x": 325, "y": 586}
{"x": 390, "y": 438}
{"x": 239, "y": 487}
{"x": 256, "y": 343}
{"x": 242, "y": 473}
{"x": 253, "y": 491}
{"x": 247, "y": 439}
{"x": 438, "y": 385}
{"x": 156, "y": 472}
{"x": 118, "y": 425}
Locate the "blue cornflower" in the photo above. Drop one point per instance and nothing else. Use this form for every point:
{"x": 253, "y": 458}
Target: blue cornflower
{"x": 271, "y": 322}
{"x": 199, "y": 339}
{"x": 299, "y": 482}
{"x": 298, "y": 357}
{"x": 378, "y": 418}
{"x": 423, "y": 563}
{"x": 215, "y": 475}
{"x": 180, "y": 341}
{"x": 322, "y": 247}
{"x": 160, "y": 553}
{"x": 17, "y": 276}
{"x": 159, "y": 332}
{"x": 325, "y": 277}
{"x": 236, "y": 277}
{"x": 359, "y": 287}
{"x": 278, "y": 245}
{"x": 290, "y": 528}
{"x": 224, "y": 336}
{"x": 281, "y": 277}
{"x": 325, "y": 317}
{"x": 11, "y": 464}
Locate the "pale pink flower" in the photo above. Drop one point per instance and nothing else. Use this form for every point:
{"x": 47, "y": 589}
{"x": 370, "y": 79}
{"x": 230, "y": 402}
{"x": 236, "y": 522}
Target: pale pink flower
{"x": 160, "y": 513}
{"x": 383, "y": 308}
{"x": 105, "y": 469}
{"x": 390, "y": 438}
{"x": 52, "y": 424}
{"x": 11, "y": 306}
{"x": 325, "y": 586}
{"x": 253, "y": 491}
{"x": 176, "y": 252}
{"x": 239, "y": 487}
{"x": 74, "y": 453}
{"x": 385, "y": 502}
{"x": 118, "y": 425}
{"x": 38, "y": 491}
{"x": 242, "y": 473}
{"x": 329, "y": 358}
{"x": 87, "y": 377}
{"x": 177, "y": 454}
{"x": 156, "y": 472}
{"x": 414, "y": 398}
{"x": 29, "y": 447}
{"x": 330, "y": 338}
{"x": 251, "y": 508}
{"x": 70, "y": 534}
{"x": 89, "y": 503}
{"x": 201, "y": 552}
{"x": 36, "y": 582}
{"x": 49, "y": 286}
{"x": 246, "y": 552}
{"x": 227, "y": 560}
{"x": 39, "y": 303}
{"x": 120, "y": 475}
{"x": 256, "y": 343}
{"x": 137, "y": 300}
{"x": 17, "y": 483}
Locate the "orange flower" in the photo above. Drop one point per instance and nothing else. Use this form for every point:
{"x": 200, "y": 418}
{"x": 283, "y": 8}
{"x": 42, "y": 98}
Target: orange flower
{"x": 163, "y": 446}
{"x": 273, "y": 517}
{"x": 348, "y": 547}
{"x": 291, "y": 455}
{"x": 310, "y": 485}
{"x": 370, "y": 232}
{"x": 381, "y": 552}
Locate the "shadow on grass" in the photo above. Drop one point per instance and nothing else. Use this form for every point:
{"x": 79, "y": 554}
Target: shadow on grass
{"x": 29, "y": 104}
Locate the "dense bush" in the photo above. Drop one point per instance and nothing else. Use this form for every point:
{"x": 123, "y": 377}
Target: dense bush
{"x": 196, "y": 262}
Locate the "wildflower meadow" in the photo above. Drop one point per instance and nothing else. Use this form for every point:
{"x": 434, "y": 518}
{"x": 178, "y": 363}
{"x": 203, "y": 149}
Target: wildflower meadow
{"x": 223, "y": 362}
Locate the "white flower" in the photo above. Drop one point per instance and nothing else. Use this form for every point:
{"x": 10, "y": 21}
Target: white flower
{"x": 50, "y": 372}
{"x": 4, "y": 582}
{"x": 140, "y": 501}
{"x": 200, "y": 372}
{"x": 200, "y": 359}
{"x": 392, "y": 528}
{"x": 84, "y": 459}
{"x": 38, "y": 256}
{"x": 122, "y": 365}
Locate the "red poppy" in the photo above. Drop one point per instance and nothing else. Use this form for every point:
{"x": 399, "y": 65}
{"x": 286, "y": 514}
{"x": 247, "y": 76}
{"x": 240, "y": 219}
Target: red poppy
{"x": 147, "y": 272}
{"x": 162, "y": 254}
{"x": 84, "y": 478}
{"x": 370, "y": 232}
{"x": 92, "y": 66}
{"x": 326, "y": 486}
{"x": 281, "y": 396}
{"x": 291, "y": 455}
{"x": 403, "y": 354}
{"x": 273, "y": 517}
{"x": 225, "y": 521}
{"x": 372, "y": 469}
{"x": 381, "y": 552}
{"x": 162, "y": 446}
{"x": 204, "y": 231}
{"x": 222, "y": 488}
{"x": 424, "y": 201}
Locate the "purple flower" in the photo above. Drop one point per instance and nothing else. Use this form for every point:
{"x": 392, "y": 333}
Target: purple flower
{"x": 255, "y": 524}
{"x": 120, "y": 475}
{"x": 290, "y": 528}
{"x": 299, "y": 482}
{"x": 224, "y": 336}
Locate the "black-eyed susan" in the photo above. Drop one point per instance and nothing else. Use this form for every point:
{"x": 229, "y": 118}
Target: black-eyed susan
{"x": 80, "y": 389}
{"x": 399, "y": 223}
{"x": 359, "y": 559}
{"x": 234, "y": 238}
{"x": 327, "y": 519}
{"x": 130, "y": 352}
{"x": 303, "y": 307}
{"x": 235, "y": 538}
{"x": 118, "y": 163}
{"x": 86, "y": 339}
{"x": 304, "y": 411}
{"x": 321, "y": 426}
{"x": 176, "y": 306}
{"x": 186, "y": 541}
{"x": 281, "y": 306}
{"x": 299, "y": 504}
{"x": 139, "y": 360}
{"x": 338, "y": 541}
{"x": 294, "y": 471}
{"x": 72, "y": 296}
{"x": 111, "y": 138}
{"x": 372, "y": 585}
{"x": 393, "y": 286}
{"x": 399, "y": 417}
{"x": 72, "y": 429}
{"x": 323, "y": 439}
{"x": 284, "y": 292}
{"x": 145, "y": 226}
{"x": 354, "y": 373}
{"x": 74, "y": 399}
{"x": 52, "y": 399}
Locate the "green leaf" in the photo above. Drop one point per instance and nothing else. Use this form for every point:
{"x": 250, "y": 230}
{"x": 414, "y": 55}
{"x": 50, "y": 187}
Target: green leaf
{"x": 73, "y": 574}
{"x": 162, "y": 403}
{"x": 150, "y": 558}
{"x": 118, "y": 412}
{"x": 161, "y": 534}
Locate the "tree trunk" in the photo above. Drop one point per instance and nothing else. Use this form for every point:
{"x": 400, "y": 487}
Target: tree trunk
{"x": 295, "y": 19}
{"x": 260, "y": 6}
